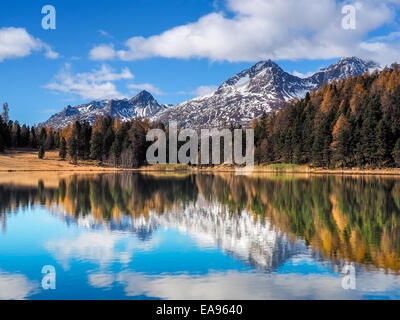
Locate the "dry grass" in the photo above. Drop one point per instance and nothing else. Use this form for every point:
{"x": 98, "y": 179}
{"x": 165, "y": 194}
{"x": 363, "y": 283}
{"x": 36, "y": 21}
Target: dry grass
{"x": 22, "y": 160}
{"x": 27, "y": 160}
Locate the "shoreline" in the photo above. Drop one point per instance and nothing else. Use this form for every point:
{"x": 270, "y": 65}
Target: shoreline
{"x": 311, "y": 171}
{"x": 21, "y": 160}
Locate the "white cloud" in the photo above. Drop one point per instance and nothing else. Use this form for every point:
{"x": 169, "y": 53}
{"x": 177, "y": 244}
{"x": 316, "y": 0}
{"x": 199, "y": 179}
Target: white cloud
{"x": 18, "y": 43}
{"x": 260, "y": 29}
{"x": 97, "y": 84}
{"x": 102, "y": 52}
{"x": 105, "y": 34}
{"x": 146, "y": 86}
{"x": 203, "y": 90}
{"x": 303, "y": 75}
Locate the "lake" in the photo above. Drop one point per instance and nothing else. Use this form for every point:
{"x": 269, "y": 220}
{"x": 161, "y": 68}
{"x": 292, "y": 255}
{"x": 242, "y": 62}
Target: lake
{"x": 199, "y": 236}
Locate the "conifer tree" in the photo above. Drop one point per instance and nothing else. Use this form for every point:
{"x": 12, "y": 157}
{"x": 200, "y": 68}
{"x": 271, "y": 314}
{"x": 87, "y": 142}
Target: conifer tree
{"x": 16, "y": 135}
{"x": 396, "y": 153}
{"x": 25, "y": 136}
{"x": 96, "y": 149}
{"x": 4, "y": 115}
{"x": 41, "y": 152}
{"x": 108, "y": 141}
{"x": 32, "y": 138}
{"x": 383, "y": 155}
{"x": 73, "y": 149}
{"x": 137, "y": 136}
{"x": 63, "y": 149}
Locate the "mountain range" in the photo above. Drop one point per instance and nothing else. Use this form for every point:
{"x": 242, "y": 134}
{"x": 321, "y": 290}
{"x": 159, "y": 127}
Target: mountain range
{"x": 264, "y": 87}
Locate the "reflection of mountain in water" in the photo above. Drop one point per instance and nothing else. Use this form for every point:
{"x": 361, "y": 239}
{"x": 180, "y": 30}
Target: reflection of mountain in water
{"x": 142, "y": 228}
{"x": 259, "y": 220}
{"x": 242, "y": 235}
{"x": 210, "y": 224}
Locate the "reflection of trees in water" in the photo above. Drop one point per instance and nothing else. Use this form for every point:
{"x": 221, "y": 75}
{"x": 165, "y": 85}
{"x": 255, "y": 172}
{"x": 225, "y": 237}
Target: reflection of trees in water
{"x": 357, "y": 219}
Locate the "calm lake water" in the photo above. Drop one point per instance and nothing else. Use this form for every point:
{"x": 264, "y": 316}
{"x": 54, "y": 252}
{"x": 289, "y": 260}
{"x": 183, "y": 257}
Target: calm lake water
{"x": 200, "y": 236}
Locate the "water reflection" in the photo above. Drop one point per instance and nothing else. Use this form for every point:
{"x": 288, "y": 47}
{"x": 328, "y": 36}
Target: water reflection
{"x": 15, "y": 286}
{"x": 265, "y": 222}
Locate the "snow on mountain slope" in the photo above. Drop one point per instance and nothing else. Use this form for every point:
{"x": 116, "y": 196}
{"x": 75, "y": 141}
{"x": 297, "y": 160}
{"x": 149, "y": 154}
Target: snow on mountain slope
{"x": 265, "y": 87}
{"x": 143, "y": 105}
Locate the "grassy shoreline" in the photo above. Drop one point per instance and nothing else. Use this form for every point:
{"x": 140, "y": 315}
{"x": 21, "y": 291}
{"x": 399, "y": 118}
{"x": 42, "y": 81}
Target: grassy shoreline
{"x": 25, "y": 160}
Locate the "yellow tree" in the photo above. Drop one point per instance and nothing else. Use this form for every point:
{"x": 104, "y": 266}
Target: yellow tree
{"x": 357, "y": 99}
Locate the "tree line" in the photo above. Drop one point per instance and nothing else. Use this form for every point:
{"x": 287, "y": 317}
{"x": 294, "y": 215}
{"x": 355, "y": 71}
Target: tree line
{"x": 13, "y": 135}
{"x": 108, "y": 140}
{"x": 348, "y": 123}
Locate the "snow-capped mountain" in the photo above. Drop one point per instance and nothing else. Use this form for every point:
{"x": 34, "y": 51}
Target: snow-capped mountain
{"x": 344, "y": 68}
{"x": 143, "y": 105}
{"x": 265, "y": 87}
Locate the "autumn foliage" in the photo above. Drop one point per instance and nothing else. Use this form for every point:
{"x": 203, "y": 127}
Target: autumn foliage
{"x": 347, "y": 123}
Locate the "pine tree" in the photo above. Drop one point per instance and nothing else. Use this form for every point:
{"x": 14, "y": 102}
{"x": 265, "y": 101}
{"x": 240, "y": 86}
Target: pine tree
{"x": 2, "y": 146}
{"x": 109, "y": 138}
{"x": 383, "y": 143}
{"x": 2, "y": 127}
{"x": 57, "y": 139}
{"x": 321, "y": 153}
{"x": 63, "y": 149}
{"x": 96, "y": 149}
{"x": 137, "y": 135}
{"x": 343, "y": 149}
{"x": 368, "y": 131}
{"x": 4, "y": 115}
{"x": 25, "y": 136}
{"x": 396, "y": 153}
{"x": 85, "y": 135}
{"x": 41, "y": 152}
{"x": 16, "y": 135}
{"x": 42, "y": 136}
{"x": 49, "y": 142}
{"x": 73, "y": 149}
{"x": 32, "y": 138}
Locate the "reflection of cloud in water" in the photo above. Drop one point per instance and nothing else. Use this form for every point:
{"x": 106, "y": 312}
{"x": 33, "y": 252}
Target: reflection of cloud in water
{"x": 233, "y": 285}
{"x": 99, "y": 247}
{"x": 15, "y": 286}
{"x": 101, "y": 279}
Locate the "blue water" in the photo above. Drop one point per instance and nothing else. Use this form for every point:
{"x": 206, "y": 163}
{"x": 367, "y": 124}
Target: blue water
{"x": 183, "y": 253}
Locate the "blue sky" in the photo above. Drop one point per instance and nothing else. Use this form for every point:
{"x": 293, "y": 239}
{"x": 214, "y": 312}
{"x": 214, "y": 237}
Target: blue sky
{"x": 175, "y": 49}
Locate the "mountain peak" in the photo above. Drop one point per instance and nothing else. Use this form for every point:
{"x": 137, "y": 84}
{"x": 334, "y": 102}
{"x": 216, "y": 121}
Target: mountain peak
{"x": 345, "y": 67}
{"x": 142, "y": 105}
{"x": 244, "y": 77}
{"x": 144, "y": 94}
{"x": 264, "y": 64}
{"x": 264, "y": 87}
